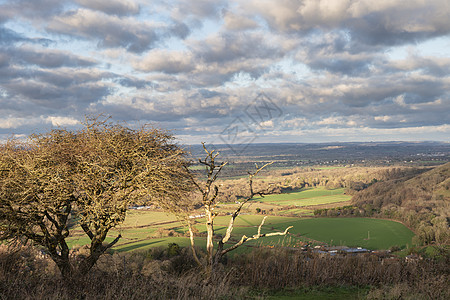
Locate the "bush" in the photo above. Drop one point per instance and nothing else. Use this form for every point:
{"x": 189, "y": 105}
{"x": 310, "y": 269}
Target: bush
{"x": 173, "y": 250}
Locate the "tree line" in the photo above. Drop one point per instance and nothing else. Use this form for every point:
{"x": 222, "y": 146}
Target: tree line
{"x": 419, "y": 199}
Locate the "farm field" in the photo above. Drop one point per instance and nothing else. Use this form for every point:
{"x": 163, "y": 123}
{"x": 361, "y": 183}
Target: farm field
{"x": 145, "y": 229}
{"x": 373, "y": 234}
{"x": 307, "y": 197}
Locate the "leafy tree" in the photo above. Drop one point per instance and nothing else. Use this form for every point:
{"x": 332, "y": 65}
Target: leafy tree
{"x": 87, "y": 177}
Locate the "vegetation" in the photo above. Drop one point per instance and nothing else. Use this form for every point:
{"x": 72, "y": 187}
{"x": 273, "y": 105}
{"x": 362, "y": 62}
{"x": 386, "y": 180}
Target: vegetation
{"x": 88, "y": 177}
{"x": 419, "y": 199}
{"x": 143, "y": 230}
{"x": 171, "y": 273}
{"x": 307, "y": 197}
{"x": 356, "y": 232}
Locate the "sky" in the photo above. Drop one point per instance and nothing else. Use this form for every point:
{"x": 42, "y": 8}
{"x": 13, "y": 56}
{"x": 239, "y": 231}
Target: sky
{"x": 233, "y": 72}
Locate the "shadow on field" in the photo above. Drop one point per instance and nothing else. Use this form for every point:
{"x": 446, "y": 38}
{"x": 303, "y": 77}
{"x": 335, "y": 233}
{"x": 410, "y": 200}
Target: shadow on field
{"x": 137, "y": 246}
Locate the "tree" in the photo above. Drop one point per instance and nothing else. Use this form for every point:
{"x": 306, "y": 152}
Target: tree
{"x": 209, "y": 199}
{"x": 89, "y": 177}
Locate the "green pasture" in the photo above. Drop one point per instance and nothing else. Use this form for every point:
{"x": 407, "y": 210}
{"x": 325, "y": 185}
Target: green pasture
{"x": 306, "y": 197}
{"x": 145, "y": 218}
{"x": 139, "y": 225}
{"x": 142, "y": 230}
{"x": 368, "y": 233}
{"x": 297, "y": 212}
{"x": 329, "y": 168}
{"x": 373, "y": 234}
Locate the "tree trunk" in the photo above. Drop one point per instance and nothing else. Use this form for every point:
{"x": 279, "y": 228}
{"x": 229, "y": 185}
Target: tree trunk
{"x": 63, "y": 263}
{"x": 210, "y": 236}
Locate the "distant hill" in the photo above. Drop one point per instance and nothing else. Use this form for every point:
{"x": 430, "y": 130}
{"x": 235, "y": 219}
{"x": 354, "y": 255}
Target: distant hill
{"x": 298, "y": 154}
{"x": 420, "y": 200}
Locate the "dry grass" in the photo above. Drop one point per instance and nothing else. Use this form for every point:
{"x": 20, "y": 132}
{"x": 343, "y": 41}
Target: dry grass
{"x": 171, "y": 274}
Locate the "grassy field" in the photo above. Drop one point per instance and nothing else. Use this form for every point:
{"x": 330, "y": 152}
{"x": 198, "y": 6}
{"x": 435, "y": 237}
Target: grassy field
{"x": 298, "y": 212}
{"x": 145, "y": 229}
{"x": 307, "y": 197}
{"x": 353, "y": 232}
{"x": 363, "y": 232}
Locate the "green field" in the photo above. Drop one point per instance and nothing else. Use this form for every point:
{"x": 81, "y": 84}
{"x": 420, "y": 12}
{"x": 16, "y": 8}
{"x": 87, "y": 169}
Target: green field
{"x": 353, "y": 232}
{"x": 307, "y": 197}
{"x": 140, "y": 231}
{"x": 297, "y": 212}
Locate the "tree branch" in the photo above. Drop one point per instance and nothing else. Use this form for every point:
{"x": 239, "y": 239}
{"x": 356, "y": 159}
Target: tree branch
{"x": 87, "y": 231}
{"x": 238, "y": 209}
{"x": 191, "y": 237}
{"x": 254, "y": 237}
{"x": 112, "y": 243}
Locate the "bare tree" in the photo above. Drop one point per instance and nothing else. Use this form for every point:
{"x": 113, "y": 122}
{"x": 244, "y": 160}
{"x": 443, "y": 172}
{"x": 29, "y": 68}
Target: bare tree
{"x": 89, "y": 177}
{"x": 209, "y": 193}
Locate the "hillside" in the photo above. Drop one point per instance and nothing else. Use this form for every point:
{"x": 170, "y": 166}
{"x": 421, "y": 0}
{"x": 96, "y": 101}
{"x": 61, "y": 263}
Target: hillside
{"x": 421, "y": 201}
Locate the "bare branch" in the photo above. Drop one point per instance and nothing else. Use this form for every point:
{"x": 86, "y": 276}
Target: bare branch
{"x": 242, "y": 203}
{"x": 191, "y": 237}
{"x": 254, "y": 237}
{"x": 112, "y": 243}
{"x": 51, "y": 220}
{"x": 88, "y": 231}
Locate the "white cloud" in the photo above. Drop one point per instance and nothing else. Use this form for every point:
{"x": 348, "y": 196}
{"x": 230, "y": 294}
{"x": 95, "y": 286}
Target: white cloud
{"x": 7, "y": 123}
{"x": 238, "y": 22}
{"x": 266, "y": 124}
{"x": 61, "y": 121}
{"x": 383, "y": 118}
{"x": 170, "y": 62}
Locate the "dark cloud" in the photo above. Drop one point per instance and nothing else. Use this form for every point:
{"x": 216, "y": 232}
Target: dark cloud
{"x": 385, "y": 23}
{"x": 205, "y": 93}
{"x": 178, "y": 29}
{"x": 433, "y": 66}
{"x": 112, "y": 31}
{"x": 133, "y": 82}
{"x": 47, "y": 58}
{"x": 236, "y": 46}
{"x": 7, "y": 36}
{"x": 112, "y": 7}
{"x": 53, "y": 97}
{"x": 33, "y": 9}
{"x": 416, "y": 90}
{"x": 4, "y": 60}
{"x": 373, "y": 31}
{"x": 199, "y": 9}
{"x": 47, "y": 82}
{"x": 109, "y": 31}
{"x": 335, "y": 52}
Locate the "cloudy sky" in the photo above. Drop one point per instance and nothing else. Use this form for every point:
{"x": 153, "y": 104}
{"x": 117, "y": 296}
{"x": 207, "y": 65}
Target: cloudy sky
{"x": 230, "y": 71}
